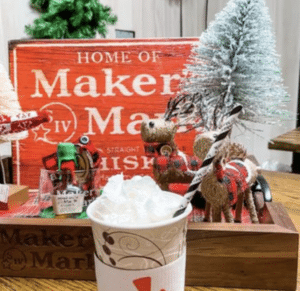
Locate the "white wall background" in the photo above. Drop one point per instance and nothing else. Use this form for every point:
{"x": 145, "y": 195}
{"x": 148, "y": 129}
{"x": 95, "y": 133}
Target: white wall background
{"x": 175, "y": 18}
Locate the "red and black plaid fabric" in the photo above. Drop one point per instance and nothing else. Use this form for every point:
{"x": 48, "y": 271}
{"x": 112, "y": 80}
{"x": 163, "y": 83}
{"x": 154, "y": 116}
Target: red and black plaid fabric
{"x": 193, "y": 163}
{"x": 233, "y": 176}
{"x": 152, "y": 149}
{"x": 174, "y": 160}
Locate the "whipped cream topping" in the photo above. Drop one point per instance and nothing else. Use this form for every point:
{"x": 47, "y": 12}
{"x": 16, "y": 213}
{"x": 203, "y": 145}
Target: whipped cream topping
{"x": 136, "y": 201}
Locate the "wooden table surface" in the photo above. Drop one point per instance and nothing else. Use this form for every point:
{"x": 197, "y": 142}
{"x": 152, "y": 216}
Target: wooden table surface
{"x": 289, "y": 141}
{"x": 285, "y": 189}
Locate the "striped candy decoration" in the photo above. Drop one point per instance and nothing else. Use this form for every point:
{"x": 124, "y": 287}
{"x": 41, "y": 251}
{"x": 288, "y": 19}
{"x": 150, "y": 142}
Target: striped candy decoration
{"x": 200, "y": 174}
{"x": 22, "y": 121}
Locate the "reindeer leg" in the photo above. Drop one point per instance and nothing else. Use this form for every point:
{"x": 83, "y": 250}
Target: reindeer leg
{"x": 227, "y": 213}
{"x": 207, "y": 216}
{"x": 239, "y": 208}
{"x": 217, "y": 211}
{"x": 251, "y": 206}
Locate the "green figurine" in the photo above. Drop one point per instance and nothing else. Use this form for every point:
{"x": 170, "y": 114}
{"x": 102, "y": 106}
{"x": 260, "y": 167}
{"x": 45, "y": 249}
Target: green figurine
{"x": 67, "y": 159}
{"x": 66, "y": 151}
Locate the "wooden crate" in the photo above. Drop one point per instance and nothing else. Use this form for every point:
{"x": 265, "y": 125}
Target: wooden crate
{"x": 219, "y": 254}
{"x": 263, "y": 256}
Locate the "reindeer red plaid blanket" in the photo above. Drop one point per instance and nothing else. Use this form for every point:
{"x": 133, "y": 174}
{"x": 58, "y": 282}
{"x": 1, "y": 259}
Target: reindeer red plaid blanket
{"x": 234, "y": 176}
{"x": 172, "y": 159}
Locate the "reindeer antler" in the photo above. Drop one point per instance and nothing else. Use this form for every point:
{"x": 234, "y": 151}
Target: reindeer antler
{"x": 184, "y": 108}
{"x": 174, "y": 106}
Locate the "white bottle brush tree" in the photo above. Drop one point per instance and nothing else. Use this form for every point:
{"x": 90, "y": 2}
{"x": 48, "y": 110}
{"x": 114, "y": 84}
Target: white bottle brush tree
{"x": 234, "y": 62}
{"x": 14, "y": 122}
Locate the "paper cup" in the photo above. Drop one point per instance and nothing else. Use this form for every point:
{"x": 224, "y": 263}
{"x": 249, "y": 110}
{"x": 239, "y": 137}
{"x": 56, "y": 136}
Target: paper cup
{"x": 138, "y": 247}
{"x": 168, "y": 277}
{"x": 135, "y": 248}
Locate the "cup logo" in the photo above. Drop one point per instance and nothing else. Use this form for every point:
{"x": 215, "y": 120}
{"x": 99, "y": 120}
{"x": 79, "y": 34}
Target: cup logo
{"x": 144, "y": 284}
{"x": 131, "y": 250}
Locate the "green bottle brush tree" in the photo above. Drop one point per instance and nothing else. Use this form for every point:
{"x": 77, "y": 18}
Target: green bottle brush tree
{"x": 63, "y": 19}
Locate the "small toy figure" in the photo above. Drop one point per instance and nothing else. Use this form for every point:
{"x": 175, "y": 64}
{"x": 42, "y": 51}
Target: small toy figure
{"x": 75, "y": 167}
{"x": 87, "y": 155}
{"x": 170, "y": 165}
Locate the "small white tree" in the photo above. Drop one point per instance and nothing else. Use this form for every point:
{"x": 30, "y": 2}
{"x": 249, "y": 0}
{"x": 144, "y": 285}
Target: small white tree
{"x": 235, "y": 61}
{"x": 9, "y": 104}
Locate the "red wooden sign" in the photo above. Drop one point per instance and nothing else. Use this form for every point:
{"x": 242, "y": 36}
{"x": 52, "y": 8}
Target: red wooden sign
{"x": 99, "y": 88}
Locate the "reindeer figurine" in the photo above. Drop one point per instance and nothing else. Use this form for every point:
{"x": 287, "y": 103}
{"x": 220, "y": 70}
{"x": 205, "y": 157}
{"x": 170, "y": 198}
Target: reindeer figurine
{"x": 228, "y": 182}
{"x": 169, "y": 164}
